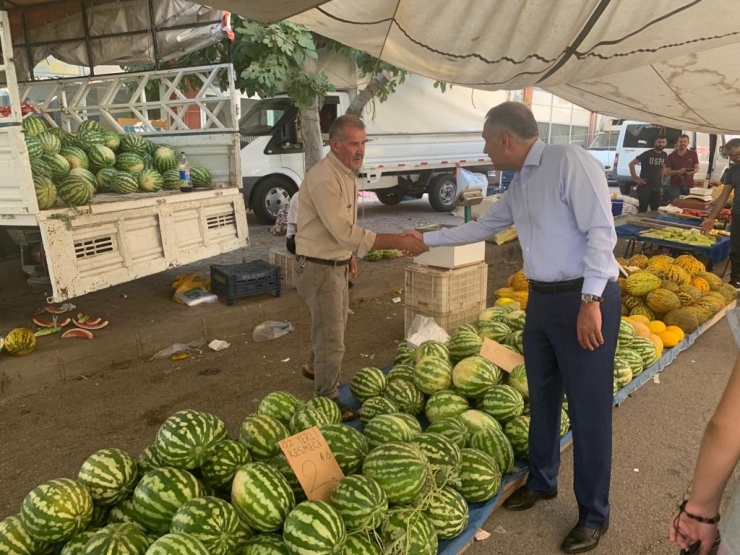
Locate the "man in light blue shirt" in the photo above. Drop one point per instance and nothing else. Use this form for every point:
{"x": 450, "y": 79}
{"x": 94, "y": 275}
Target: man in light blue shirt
{"x": 559, "y": 202}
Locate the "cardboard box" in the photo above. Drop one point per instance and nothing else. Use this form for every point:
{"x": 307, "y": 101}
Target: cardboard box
{"x": 451, "y": 257}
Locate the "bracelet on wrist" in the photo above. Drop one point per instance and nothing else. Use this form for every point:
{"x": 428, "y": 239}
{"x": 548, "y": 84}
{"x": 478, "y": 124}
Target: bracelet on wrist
{"x": 702, "y": 519}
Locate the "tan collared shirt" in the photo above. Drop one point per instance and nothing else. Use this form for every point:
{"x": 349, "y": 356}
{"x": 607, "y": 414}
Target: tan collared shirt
{"x": 327, "y": 214}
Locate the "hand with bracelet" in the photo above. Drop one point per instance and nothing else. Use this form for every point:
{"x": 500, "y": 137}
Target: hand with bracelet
{"x": 691, "y": 525}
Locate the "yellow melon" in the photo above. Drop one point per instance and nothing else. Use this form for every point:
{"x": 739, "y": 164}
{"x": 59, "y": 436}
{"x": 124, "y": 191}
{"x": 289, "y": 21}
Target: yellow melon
{"x": 518, "y": 281}
{"x": 656, "y": 326}
{"x": 669, "y": 338}
{"x": 700, "y": 283}
{"x": 641, "y": 330}
{"x": 677, "y": 331}
{"x": 504, "y": 292}
{"x": 657, "y": 341}
{"x": 690, "y": 264}
{"x": 640, "y": 318}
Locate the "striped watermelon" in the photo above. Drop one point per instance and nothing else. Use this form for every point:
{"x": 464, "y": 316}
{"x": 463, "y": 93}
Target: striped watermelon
{"x": 622, "y": 372}
{"x": 76, "y": 157}
{"x": 447, "y": 512}
{"x": 57, "y": 164}
{"x": 148, "y": 161}
{"x": 361, "y": 544}
{"x": 261, "y": 433}
{"x": 148, "y": 460}
{"x": 633, "y": 359}
{"x": 411, "y": 421}
{"x": 314, "y": 528}
{"x": 111, "y": 140}
{"x": 40, "y": 168}
{"x": 516, "y": 340}
{"x": 361, "y": 502}
{"x": 118, "y": 539}
{"x": 518, "y": 380}
{"x": 133, "y": 143}
{"x": 306, "y": 418}
{"x": 646, "y": 349}
{"x": 100, "y": 516}
{"x": 432, "y": 373}
{"x": 56, "y": 510}
{"x": 70, "y": 139}
{"x": 265, "y": 544}
{"x": 475, "y": 375}
{"x": 90, "y": 138}
{"x": 150, "y": 181}
{"x": 124, "y": 512}
{"x": 386, "y": 428}
{"x": 165, "y": 158}
{"x": 480, "y": 476}
{"x": 493, "y": 442}
{"x": 452, "y": 429}
{"x": 515, "y": 320}
{"x": 16, "y": 540}
{"x": 171, "y": 180}
{"x": 187, "y": 438}
{"x": 104, "y": 177}
{"x": 490, "y": 314}
{"x": 88, "y": 124}
{"x": 405, "y": 356}
{"x": 410, "y": 532}
{"x": 262, "y": 497}
{"x": 327, "y": 406}
{"x": 497, "y": 331}
{"x": 280, "y": 463}
{"x": 502, "y": 401}
{"x": 110, "y": 475}
{"x": 219, "y": 469}
{"x": 442, "y": 454}
{"x": 212, "y": 521}
{"x": 464, "y": 344}
{"x": 517, "y": 430}
{"x": 476, "y": 420}
{"x": 280, "y": 405}
{"x": 49, "y": 143}
{"x": 46, "y": 192}
{"x": 33, "y": 126}
{"x": 405, "y": 396}
{"x": 200, "y": 176}
{"x": 84, "y": 174}
{"x": 129, "y": 162}
{"x": 626, "y": 334}
{"x": 432, "y": 348}
{"x": 177, "y": 543}
{"x": 124, "y": 183}
{"x": 34, "y": 148}
{"x": 101, "y": 156}
{"x": 466, "y": 328}
{"x": 400, "y": 469}
{"x": 564, "y": 422}
{"x": 367, "y": 382}
{"x": 446, "y": 403}
{"x": 374, "y": 407}
{"x": 348, "y": 446}
{"x": 401, "y": 372}
{"x": 75, "y": 546}
{"x": 160, "y": 493}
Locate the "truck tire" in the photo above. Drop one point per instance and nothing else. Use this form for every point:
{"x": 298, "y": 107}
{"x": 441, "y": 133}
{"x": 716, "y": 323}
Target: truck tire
{"x": 269, "y": 195}
{"x": 389, "y": 198}
{"x": 442, "y": 191}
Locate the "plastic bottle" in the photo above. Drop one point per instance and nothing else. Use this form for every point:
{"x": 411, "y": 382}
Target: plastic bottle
{"x": 183, "y": 166}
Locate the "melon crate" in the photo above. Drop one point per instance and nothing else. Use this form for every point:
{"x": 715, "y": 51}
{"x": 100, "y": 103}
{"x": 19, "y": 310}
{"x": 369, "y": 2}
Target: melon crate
{"x": 448, "y": 320}
{"x": 282, "y": 258}
{"x": 441, "y": 290}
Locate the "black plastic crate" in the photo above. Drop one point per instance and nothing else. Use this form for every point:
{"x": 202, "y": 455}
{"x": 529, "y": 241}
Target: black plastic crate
{"x": 242, "y": 280}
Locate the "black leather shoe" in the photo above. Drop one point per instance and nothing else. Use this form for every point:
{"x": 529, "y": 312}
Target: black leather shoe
{"x": 582, "y": 539}
{"x": 524, "y": 498}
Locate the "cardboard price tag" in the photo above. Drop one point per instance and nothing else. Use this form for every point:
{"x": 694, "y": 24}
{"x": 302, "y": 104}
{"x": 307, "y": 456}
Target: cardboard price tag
{"x": 504, "y": 358}
{"x": 314, "y": 464}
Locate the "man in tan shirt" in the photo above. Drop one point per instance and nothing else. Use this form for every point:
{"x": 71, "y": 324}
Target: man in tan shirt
{"x": 327, "y": 242}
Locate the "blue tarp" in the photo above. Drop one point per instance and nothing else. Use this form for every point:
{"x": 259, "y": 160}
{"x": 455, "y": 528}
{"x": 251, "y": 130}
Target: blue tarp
{"x": 479, "y": 512}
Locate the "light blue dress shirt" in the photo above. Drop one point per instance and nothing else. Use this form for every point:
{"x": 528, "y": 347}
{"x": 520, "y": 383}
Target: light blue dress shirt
{"x": 561, "y": 207}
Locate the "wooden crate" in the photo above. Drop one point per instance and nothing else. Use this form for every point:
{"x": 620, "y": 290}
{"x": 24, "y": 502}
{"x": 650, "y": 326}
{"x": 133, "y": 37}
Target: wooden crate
{"x": 281, "y": 257}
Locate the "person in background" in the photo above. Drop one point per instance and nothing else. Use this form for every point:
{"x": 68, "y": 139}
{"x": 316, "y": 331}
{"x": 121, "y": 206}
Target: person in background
{"x": 559, "y": 201}
{"x": 681, "y": 165}
{"x": 650, "y": 182}
{"x": 731, "y": 180}
{"x": 327, "y": 241}
{"x": 697, "y": 517}
{"x": 292, "y": 224}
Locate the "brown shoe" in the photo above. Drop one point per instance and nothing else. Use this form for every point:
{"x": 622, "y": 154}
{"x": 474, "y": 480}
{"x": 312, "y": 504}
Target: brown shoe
{"x": 582, "y": 539}
{"x": 307, "y": 372}
{"x": 524, "y": 498}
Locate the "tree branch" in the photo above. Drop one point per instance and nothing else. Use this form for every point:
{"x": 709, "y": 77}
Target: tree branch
{"x": 366, "y": 95}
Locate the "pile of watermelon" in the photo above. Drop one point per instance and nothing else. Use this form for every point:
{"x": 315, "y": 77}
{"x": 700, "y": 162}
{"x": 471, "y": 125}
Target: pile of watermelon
{"x": 71, "y": 168}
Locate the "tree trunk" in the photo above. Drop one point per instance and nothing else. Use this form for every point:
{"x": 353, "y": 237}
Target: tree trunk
{"x": 313, "y": 144}
{"x": 367, "y": 94}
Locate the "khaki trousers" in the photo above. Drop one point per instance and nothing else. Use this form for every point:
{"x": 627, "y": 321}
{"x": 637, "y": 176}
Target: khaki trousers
{"x": 324, "y": 290}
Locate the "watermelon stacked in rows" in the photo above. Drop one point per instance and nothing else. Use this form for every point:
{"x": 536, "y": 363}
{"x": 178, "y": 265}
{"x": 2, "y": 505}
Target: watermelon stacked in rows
{"x": 122, "y": 164}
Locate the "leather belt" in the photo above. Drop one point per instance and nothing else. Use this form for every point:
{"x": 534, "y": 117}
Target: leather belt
{"x": 555, "y": 286}
{"x": 326, "y": 262}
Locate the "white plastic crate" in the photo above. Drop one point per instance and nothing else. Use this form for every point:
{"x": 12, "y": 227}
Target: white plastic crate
{"x": 281, "y": 257}
{"x": 442, "y": 290}
{"x": 448, "y": 320}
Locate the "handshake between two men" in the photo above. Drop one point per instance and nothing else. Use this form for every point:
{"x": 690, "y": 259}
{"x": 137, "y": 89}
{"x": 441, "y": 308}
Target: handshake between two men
{"x": 410, "y": 242}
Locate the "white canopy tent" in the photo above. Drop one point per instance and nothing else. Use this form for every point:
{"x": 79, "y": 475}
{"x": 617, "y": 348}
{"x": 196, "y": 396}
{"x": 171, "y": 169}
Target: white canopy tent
{"x": 674, "y": 62}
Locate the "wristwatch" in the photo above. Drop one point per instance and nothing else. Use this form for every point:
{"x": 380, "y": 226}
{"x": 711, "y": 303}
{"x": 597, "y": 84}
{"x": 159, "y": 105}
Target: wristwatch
{"x": 588, "y": 298}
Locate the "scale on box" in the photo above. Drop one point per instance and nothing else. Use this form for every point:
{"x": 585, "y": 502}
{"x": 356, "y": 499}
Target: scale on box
{"x": 468, "y": 198}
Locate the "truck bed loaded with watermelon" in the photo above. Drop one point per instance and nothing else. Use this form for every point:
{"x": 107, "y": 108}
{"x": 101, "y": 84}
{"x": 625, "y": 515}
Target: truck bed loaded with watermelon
{"x": 91, "y": 178}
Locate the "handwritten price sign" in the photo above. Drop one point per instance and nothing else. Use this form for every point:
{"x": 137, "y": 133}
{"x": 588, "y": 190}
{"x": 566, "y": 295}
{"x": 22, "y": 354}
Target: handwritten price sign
{"x": 313, "y": 463}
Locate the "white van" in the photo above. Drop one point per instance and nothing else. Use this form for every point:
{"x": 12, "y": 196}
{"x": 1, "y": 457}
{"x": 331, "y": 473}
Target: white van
{"x": 603, "y": 147}
{"x": 635, "y": 137}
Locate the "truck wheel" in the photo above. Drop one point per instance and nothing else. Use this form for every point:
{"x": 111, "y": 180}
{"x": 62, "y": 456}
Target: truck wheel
{"x": 389, "y": 198}
{"x": 442, "y": 191}
{"x": 269, "y": 196}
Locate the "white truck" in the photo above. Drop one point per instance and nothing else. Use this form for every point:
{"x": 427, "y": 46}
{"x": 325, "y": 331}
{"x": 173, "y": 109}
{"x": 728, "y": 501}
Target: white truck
{"x": 417, "y": 138}
{"x": 117, "y": 238}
